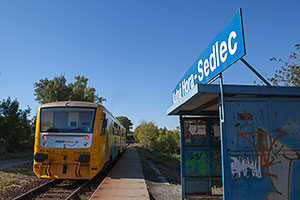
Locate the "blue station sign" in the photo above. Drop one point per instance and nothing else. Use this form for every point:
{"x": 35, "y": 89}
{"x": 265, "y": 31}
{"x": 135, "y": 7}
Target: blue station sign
{"x": 227, "y": 47}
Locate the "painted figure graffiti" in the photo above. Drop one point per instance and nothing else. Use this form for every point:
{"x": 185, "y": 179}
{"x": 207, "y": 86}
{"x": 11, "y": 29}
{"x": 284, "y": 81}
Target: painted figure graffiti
{"x": 241, "y": 166}
{"x": 293, "y": 128}
{"x": 272, "y": 154}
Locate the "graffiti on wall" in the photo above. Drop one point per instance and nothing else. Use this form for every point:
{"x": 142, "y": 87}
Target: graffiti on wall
{"x": 272, "y": 154}
{"x": 293, "y": 128}
{"x": 242, "y": 166}
{"x": 198, "y": 162}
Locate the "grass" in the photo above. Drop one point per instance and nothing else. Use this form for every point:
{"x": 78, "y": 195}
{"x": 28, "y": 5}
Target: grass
{"x": 168, "y": 164}
{"x": 25, "y": 170}
{"x": 11, "y": 176}
{"x": 145, "y": 166}
{"x": 6, "y": 181}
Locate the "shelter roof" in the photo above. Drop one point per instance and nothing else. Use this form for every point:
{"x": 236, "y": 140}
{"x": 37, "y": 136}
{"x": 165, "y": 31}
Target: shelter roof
{"x": 204, "y": 99}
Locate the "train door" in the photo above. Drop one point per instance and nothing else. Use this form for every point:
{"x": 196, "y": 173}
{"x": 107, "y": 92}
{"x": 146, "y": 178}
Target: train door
{"x": 105, "y": 131}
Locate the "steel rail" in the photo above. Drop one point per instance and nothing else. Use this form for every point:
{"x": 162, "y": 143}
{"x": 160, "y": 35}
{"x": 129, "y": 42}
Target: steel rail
{"x": 37, "y": 190}
{"x": 75, "y": 192}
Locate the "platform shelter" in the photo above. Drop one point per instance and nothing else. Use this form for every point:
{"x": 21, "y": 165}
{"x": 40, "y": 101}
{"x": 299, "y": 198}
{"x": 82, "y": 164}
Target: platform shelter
{"x": 253, "y": 154}
{"x": 237, "y": 141}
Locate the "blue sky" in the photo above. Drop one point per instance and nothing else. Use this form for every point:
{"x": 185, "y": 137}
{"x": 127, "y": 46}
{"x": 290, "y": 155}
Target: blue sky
{"x": 133, "y": 51}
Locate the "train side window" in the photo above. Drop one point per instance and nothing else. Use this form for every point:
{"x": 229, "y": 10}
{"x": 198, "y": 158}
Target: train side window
{"x": 104, "y": 124}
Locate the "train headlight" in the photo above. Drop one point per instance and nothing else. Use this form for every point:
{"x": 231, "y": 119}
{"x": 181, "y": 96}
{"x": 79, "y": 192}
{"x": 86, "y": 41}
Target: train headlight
{"x": 44, "y": 137}
{"x": 86, "y": 137}
{"x": 40, "y": 157}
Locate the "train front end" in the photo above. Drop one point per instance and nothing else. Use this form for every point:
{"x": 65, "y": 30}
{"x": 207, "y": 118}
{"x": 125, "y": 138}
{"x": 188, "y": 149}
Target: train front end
{"x": 63, "y": 141}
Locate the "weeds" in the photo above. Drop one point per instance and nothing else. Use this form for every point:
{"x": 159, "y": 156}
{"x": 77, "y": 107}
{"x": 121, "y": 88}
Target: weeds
{"x": 11, "y": 176}
{"x": 168, "y": 164}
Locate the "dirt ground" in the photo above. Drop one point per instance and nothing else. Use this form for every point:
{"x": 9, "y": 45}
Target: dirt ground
{"x": 18, "y": 180}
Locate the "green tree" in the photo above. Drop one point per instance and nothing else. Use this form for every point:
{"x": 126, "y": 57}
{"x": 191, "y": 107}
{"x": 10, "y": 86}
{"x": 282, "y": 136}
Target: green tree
{"x": 126, "y": 122}
{"x": 15, "y": 128}
{"x": 163, "y": 131}
{"x": 168, "y": 141}
{"x": 57, "y": 90}
{"x": 52, "y": 90}
{"x": 146, "y": 133}
{"x": 289, "y": 73}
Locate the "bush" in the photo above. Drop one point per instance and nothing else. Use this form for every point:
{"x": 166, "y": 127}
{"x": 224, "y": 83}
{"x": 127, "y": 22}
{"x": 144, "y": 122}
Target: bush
{"x": 168, "y": 143}
{"x": 159, "y": 140}
{"x": 147, "y": 134}
{"x": 15, "y": 128}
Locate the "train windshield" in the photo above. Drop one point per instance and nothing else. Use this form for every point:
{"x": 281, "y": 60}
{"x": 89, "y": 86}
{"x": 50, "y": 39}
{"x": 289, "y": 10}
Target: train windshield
{"x": 67, "y": 119}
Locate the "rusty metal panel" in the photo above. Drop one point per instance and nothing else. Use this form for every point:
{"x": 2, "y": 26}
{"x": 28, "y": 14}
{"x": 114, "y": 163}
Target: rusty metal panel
{"x": 261, "y": 145}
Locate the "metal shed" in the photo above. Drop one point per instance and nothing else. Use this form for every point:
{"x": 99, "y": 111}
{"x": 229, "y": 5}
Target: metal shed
{"x": 252, "y": 146}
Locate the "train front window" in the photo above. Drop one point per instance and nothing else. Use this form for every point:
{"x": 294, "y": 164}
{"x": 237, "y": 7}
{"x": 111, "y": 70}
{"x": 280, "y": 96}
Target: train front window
{"x": 67, "y": 120}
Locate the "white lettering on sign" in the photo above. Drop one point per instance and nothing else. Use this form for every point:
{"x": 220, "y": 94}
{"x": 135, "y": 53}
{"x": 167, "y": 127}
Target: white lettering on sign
{"x": 220, "y": 52}
{"x": 223, "y": 53}
{"x": 232, "y": 50}
{"x": 211, "y": 63}
{"x": 200, "y": 70}
{"x": 184, "y": 87}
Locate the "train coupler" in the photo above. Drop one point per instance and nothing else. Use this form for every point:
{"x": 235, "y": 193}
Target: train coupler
{"x": 48, "y": 168}
{"x": 77, "y": 168}
{"x": 64, "y": 170}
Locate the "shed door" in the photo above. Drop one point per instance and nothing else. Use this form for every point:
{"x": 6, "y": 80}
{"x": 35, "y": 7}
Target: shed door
{"x": 201, "y": 157}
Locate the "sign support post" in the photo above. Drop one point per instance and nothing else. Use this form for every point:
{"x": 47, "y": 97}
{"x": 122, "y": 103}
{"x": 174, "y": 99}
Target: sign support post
{"x": 221, "y": 107}
{"x": 255, "y": 72}
{"x": 181, "y": 153}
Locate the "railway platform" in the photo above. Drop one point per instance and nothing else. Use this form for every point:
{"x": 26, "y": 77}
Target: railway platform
{"x": 125, "y": 181}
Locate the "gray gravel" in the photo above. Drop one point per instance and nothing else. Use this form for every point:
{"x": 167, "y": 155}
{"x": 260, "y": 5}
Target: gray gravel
{"x": 160, "y": 188}
{"x": 163, "y": 191}
{"x": 14, "y": 162}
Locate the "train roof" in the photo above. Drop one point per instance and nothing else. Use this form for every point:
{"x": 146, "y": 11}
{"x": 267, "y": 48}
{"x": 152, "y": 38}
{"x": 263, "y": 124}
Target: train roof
{"x": 70, "y": 104}
{"x": 77, "y": 104}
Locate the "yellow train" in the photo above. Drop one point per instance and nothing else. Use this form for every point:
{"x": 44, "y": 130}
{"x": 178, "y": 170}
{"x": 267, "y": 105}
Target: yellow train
{"x": 74, "y": 140}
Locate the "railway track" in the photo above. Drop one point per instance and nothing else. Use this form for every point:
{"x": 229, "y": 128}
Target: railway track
{"x": 66, "y": 189}
{"x": 55, "y": 189}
